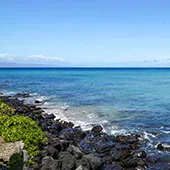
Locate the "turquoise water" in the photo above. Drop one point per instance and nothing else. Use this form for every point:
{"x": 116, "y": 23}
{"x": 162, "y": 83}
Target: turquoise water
{"x": 121, "y": 99}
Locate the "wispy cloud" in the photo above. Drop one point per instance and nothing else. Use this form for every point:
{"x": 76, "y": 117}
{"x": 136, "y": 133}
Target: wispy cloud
{"x": 165, "y": 61}
{"x": 7, "y": 57}
{"x": 40, "y": 59}
{"x": 43, "y": 59}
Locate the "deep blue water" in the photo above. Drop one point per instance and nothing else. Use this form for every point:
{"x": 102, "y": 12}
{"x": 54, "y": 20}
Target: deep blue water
{"x": 122, "y": 99}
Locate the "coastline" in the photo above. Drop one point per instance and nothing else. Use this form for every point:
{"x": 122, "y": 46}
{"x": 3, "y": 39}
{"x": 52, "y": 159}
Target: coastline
{"x": 108, "y": 152}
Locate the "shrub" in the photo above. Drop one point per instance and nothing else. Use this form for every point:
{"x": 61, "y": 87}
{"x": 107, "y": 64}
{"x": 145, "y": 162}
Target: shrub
{"x": 15, "y": 162}
{"x": 17, "y": 128}
{"x": 5, "y": 109}
{"x": 3, "y": 118}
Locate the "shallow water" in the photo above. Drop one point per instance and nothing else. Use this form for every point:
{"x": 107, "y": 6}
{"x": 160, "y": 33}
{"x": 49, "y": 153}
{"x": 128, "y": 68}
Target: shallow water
{"x": 123, "y": 100}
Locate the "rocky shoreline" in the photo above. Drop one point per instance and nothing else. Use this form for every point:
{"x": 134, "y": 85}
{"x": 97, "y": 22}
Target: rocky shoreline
{"x": 71, "y": 148}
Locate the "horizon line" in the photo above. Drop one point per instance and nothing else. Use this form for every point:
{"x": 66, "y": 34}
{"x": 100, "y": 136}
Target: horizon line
{"x": 92, "y": 67}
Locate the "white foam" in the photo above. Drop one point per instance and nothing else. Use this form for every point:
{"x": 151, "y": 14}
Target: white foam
{"x": 119, "y": 132}
{"x": 9, "y": 93}
{"x": 83, "y": 116}
{"x": 80, "y": 116}
{"x": 166, "y": 132}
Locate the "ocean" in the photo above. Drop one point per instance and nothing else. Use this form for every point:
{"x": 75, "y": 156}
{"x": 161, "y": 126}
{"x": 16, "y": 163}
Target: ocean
{"x": 122, "y": 100}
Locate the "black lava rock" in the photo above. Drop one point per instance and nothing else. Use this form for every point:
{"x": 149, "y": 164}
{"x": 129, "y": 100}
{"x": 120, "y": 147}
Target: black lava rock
{"x": 112, "y": 167}
{"x": 94, "y": 162}
{"x": 96, "y": 130}
{"x": 67, "y": 160}
{"x": 50, "y": 116}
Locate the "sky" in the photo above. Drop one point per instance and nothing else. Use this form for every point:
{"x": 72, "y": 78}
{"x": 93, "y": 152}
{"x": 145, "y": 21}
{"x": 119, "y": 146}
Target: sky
{"x": 85, "y": 32}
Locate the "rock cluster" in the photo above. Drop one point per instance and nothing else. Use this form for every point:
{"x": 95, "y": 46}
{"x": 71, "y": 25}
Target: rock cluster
{"x": 71, "y": 148}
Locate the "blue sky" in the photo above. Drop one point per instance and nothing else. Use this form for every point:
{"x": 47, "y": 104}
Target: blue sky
{"x": 84, "y": 32}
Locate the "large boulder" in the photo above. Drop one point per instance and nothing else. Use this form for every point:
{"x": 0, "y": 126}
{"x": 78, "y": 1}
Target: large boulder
{"x": 93, "y": 161}
{"x": 96, "y": 130}
{"x": 72, "y": 134}
{"x": 47, "y": 163}
{"x": 75, "y": 151}
{"x": 68, "y": 161}
{"x": 100, "y": 143}
{"x": 9, "y": 149}
{"x": 163, "y": 146}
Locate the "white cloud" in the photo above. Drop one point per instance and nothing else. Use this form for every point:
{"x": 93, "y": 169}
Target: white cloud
{"x": 165, "y": 61}
{"x": 7, "y": 57}
{"x": 43, "y": 59}
{"x": 33, "y": 59}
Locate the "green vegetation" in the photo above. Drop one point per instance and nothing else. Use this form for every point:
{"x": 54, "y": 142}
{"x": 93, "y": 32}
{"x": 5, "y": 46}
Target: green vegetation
{"x": 3, "y": 118}
{"x": 15, "y": 161}
{"x": 17, "y": 128}
{"x": 5, "y": 109}
{"x": 20, "y": 128}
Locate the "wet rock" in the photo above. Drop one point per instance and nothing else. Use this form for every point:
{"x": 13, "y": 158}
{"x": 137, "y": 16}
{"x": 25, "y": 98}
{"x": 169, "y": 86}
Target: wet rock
{"x": 55, "y": 128}
{"x": 103, "y": 146}
{"x": 38, "y": 101}
{"x": 129, "y": 162}
{"x": 96, "y": 130}
{"x": 86, "y": 145}
{"x": 140, "y": 154}
{"x": 72, "y": 134}
{"x": 94, "y": 162}
{"x": 163, "y": 147}
{"x": 50, "y": 116}
{"x": 127, "y": 139}
{"x": 67, "y": 160}
{"x": 112, "y": 167}
{"x": 107, "y": 159}
{"x": 133, "y": 139}
{"x": 122, "y": 146}
{"x": 38, "y": 115}
{"x": 65, "y": 124}
{"x": 44, "y": 126}
{"x": 120, "y": 155}
{"x": 70, "y": 124}
{"x": 22, "y": 95}
{"x": 49, "y": 122}
{"x": 142, "y": 163}
{"x": 100, "y": 143}
{"x": 152, "y": 159}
